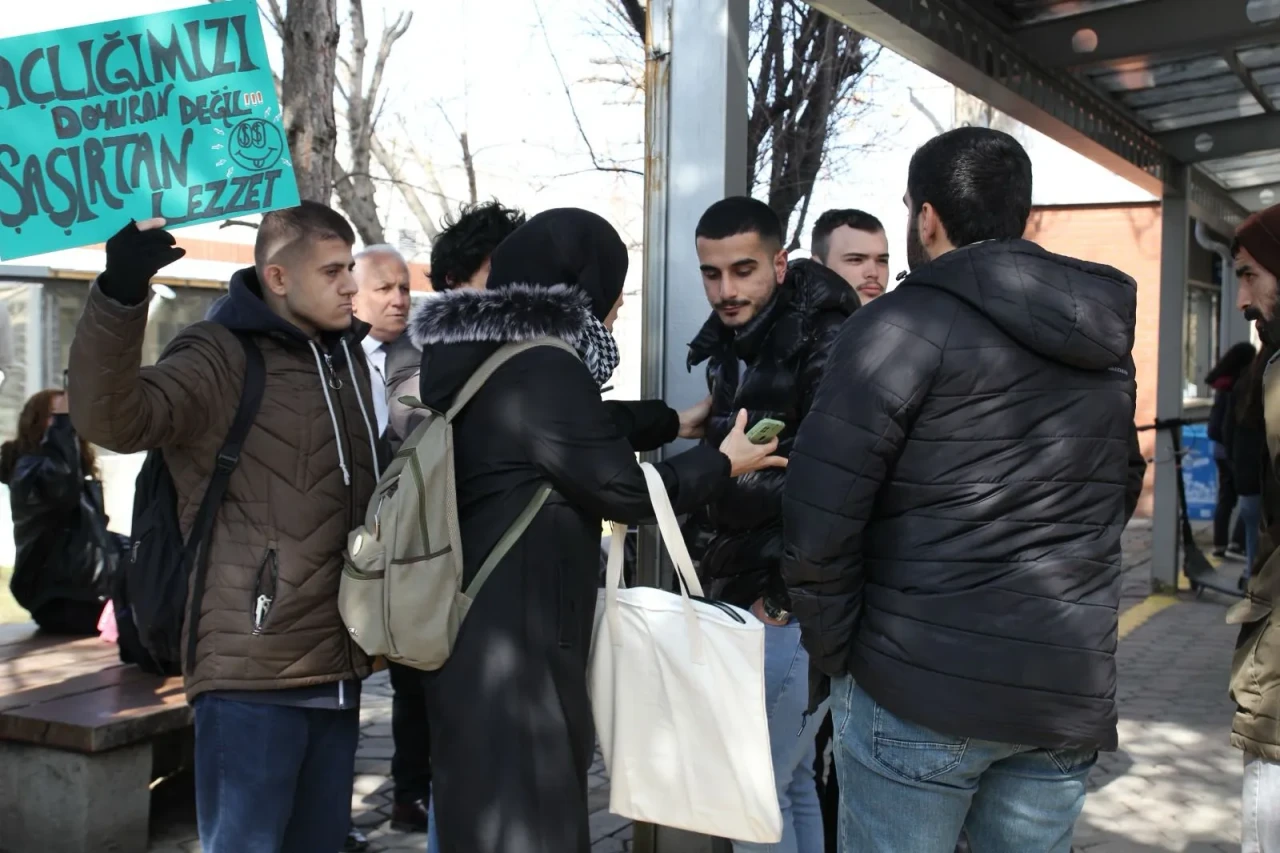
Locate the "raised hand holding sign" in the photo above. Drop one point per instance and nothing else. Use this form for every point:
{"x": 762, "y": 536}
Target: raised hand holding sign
{"x": 171, "y": 115}
{"x": 134, "y": 255}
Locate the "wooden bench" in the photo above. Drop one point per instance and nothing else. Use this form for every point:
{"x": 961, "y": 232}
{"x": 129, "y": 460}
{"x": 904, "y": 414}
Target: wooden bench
{"x": 82, "y": 736}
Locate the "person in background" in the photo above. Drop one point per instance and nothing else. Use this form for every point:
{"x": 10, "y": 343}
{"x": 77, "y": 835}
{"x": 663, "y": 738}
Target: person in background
{"x": 460, "y": 254}
{"x": 1245, "y": 436}
{"x": 382, "y": 275}
{"x": 1255, "y": 670}
{"x": 511, "y": 725}
{"x": 65, "y": 556}
{"x": 274, "y": 681}
{"x": 853, "y": 244}
{"x": 1229, "y": 370}
{"x": 953, "y": 513}
{"x": 765, "y": 346}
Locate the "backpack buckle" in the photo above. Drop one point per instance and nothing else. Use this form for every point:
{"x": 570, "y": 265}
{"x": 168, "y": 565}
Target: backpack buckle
{"x": 227, "y": 462}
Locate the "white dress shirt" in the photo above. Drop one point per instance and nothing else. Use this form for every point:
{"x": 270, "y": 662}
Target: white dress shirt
{"x": 375, "y": 352}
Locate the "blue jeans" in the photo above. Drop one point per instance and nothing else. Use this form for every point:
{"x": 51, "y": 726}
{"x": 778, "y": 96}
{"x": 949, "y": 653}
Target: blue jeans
{"x": 433, "y": 841}
{"x": 905, "y": 787}
{"x": 273, "y": 778}
{"x": 792, "y": 738}
{"x": 1251, "y": 517}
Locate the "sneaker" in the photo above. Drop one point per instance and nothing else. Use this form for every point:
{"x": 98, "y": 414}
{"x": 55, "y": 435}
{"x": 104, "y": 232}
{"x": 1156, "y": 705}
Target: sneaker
{"x": 1220, "y": 553}
{"x": 1235, "y": 552}
{"x": 356, "y": 842}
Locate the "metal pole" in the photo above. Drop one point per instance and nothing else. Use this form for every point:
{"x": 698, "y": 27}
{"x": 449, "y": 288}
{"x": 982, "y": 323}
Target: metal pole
{"x": 1174, "y": 244}
{"x": 695, "y": 147}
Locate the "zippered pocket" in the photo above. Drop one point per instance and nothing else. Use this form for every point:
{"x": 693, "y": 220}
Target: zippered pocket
{"x": 264, "y": 591}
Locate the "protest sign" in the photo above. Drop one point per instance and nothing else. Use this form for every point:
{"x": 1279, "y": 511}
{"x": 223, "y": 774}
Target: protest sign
{"x": 173, "y": 114}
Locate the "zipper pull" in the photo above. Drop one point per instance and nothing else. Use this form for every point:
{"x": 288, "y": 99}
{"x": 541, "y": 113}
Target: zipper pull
{"x": 260, "y": 611}
{"x": 804, "y": 721}
{"x": 334, "y": 382}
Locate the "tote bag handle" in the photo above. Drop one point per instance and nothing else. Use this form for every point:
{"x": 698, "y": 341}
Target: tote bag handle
{"x": 676, "y": 548}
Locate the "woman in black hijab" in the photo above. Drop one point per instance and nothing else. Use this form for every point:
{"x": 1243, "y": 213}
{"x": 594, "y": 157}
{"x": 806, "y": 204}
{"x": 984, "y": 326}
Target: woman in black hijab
{"x": 511, "y": 729}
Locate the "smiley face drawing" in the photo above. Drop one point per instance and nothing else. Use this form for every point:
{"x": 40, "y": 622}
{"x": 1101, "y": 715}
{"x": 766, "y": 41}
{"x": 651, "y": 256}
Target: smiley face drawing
{"x": 255, "y": 144}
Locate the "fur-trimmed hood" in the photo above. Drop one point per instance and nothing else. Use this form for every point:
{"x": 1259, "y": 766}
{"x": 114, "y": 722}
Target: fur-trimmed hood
{"x": 459, "y": 329}
{"x": 515, "y": 313}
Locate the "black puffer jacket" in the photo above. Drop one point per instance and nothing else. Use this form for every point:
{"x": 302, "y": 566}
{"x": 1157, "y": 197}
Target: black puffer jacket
{"x": 59, "y": 529}
{"x": 956, "y": 496}
{"x": 771, "y": 368}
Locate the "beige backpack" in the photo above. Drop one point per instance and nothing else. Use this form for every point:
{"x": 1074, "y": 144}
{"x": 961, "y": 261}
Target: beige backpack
{"x": 401, "y": 593}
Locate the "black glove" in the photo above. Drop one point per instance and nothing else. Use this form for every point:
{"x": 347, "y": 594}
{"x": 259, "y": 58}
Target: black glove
{"x": 133, "y": 259}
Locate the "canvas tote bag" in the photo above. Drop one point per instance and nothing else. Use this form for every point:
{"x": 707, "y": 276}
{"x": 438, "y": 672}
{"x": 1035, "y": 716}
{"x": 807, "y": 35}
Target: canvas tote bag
{"x": 677, "y": 691}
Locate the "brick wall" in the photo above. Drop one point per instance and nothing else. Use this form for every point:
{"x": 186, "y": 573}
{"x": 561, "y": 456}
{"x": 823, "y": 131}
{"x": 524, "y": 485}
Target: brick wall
{"x": 1126, "y": 236}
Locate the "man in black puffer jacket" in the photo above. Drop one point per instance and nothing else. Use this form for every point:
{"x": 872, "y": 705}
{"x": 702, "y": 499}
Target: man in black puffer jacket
{"x": 765, "y": 346}
{"x": 953, "y": 515}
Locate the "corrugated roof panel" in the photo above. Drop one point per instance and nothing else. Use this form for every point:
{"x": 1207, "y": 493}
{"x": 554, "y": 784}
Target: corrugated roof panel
{"x": 1035, "y": 11}
{"x": 1246, "y": 171}
{"x": 1223, "y": 84}
{"x": 1261, "y": 57}
{"x": 1196, "y": 111}
{"x": 1139, "y": 74}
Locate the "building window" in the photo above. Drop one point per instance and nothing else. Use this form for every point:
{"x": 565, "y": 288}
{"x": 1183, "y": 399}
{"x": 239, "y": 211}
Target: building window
{"x": 1203, "y": 318}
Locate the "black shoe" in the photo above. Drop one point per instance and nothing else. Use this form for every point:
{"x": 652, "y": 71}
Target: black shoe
{"x": 1243, "y": 583}
{"x": 356, "y": 842}
{"x": 1220, "y": 553}
{"x": 409, "y": 817}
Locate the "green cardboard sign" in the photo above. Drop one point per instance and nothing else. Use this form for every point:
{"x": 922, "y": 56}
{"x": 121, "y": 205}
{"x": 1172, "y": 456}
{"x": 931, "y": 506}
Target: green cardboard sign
{"x": 173, "y": 114}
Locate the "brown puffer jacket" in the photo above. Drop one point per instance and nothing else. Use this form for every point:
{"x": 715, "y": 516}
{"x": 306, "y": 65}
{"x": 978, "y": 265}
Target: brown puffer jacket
{"x": 282, "y": 527}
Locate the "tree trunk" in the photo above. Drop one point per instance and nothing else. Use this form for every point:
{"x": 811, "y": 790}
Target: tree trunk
{"x": 310, "y": 38}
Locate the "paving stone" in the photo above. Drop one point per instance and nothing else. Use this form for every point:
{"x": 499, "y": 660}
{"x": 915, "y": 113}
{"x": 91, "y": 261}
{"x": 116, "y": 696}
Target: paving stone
{"x": 1174, "y": 784}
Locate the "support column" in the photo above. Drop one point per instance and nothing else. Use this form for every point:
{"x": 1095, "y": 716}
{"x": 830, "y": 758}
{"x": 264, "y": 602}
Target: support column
{"x": 696, "y": 154}
{"x": 1175, "y": 241}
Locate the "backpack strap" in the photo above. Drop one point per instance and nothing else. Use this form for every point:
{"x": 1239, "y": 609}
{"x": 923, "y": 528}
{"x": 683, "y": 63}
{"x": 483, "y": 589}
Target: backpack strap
{"x": 489, "y": 366}
{"x": 195, "y": 552}
{"x": 504, "y": 354}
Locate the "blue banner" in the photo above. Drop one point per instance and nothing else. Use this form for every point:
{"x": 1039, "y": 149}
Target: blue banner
{"x": 173, "y": 114}
{"x": 1199, "y": 473}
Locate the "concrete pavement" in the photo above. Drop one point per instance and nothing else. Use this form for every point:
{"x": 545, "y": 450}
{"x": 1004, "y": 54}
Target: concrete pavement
{"x": 1174, "y": 784}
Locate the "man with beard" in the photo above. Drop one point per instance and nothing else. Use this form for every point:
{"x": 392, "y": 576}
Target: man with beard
{"x": 765, "y": 346}
{"x": 1255, "y": 675}
{"x": 953, "y": 514}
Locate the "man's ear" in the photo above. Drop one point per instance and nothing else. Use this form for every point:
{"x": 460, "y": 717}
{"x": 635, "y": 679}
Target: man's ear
{"x": 780, "y": 265}
{"x": 932, "y": 231}
{"x": 273, "y": 279}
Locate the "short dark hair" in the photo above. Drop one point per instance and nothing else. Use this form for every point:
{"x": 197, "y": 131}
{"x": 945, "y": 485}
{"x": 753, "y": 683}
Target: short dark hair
{"x": 977, "y": 179}
{"x": 858, "y": 220}
{"x": 468, "y": 240}
{"x": 284, "y": 230}
{"x": 740, "y": 214}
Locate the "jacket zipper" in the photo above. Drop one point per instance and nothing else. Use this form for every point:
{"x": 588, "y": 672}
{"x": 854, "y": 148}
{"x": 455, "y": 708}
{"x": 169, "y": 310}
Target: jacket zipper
{"x": 265, "y": 594}
{"x": 336, "y": 384}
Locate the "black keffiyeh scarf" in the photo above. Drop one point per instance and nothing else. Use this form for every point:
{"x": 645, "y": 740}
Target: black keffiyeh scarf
{"x": 598, "y": 349}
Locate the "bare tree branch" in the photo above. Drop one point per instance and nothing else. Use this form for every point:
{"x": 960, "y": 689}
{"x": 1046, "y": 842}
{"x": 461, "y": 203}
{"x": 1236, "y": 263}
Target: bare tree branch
{"x": 231, "y": 222}
{"x": 412, "y": 200}
{"x": 573, "y": 109}
{"x": 925, "y": 111}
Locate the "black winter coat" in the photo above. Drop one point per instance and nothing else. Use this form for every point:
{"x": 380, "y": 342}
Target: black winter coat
{"x": 956, "y": 497}
{"x": 1246, "y": 445}
{"x": 771, "y": 368}
{"x": 59, "y": 530}
{"x": 511, "y": 727}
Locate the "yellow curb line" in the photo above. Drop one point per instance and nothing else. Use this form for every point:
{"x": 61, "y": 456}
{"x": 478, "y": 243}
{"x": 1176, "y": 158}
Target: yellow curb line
{"x": 1136, "y": 616}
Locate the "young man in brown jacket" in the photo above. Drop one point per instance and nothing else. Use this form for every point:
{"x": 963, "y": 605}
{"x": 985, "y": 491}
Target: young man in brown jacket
{"x": 275, "y": 679}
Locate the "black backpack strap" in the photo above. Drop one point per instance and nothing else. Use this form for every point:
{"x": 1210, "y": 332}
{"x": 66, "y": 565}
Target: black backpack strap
{"x": 196, "y": 551}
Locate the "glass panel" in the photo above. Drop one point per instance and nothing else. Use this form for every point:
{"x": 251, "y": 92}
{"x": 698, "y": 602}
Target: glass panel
{"x": 1201, "y": 331}
{"x": 13, "y": 353}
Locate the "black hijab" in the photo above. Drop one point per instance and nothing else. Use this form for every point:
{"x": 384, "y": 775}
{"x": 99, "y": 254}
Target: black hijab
{"x": 564, "y": 246}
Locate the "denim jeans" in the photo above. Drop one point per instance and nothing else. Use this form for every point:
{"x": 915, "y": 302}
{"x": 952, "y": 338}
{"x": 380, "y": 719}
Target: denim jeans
{"x": 433, "y": 840}
{"x": 1251, "y": 516}
{"x": 905, "y": 787}
{"x": 273, "y": 778}
{"x": 1260, "y": 806}
{"x": 792, "y": 738}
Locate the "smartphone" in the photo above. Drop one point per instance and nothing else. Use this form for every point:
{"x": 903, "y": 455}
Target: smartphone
{"x": 765, "y": 430}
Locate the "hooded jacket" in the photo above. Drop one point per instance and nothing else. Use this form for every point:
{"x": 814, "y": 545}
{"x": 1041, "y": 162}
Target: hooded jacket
{"x": 956, "y": 497}
{"x": 770, "y": 367}
{"x": 269, "y": 617}
{"x": 60, "y": 532}
{"x": 514, "y": 691}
